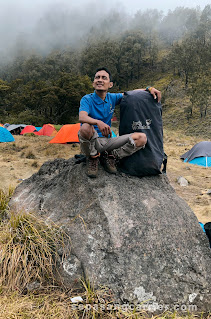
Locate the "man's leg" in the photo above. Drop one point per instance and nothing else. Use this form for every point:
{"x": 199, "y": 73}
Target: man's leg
{"x": 122, "y": 146}
{"x": 87, "y": 137}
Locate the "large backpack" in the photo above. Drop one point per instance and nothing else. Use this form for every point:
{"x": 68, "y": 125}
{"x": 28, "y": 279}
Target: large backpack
{"x": 140, "y": 112}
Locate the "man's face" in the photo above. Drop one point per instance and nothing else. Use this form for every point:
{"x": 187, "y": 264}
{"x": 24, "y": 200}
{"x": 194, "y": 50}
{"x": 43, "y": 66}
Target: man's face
{"x": 102, "y": 81}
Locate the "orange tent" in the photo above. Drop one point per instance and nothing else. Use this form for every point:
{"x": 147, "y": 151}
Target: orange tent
{"x": 67, "y": 134}
{"x": 28, "y": 129}
{"x": 48, "y": 130}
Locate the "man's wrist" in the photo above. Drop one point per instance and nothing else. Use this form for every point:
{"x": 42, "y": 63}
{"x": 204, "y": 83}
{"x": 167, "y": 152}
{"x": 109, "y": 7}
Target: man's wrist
{"x": 148, "y": 89}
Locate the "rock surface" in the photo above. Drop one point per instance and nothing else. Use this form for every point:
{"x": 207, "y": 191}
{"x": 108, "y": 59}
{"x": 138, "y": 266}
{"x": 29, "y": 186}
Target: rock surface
{"x": 134, "y": 235}
{"x": 182, "y": 181}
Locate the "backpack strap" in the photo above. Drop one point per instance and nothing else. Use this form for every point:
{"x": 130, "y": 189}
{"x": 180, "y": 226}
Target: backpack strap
{"x": 165, "y": 158}
{"x": 79, "y": 158}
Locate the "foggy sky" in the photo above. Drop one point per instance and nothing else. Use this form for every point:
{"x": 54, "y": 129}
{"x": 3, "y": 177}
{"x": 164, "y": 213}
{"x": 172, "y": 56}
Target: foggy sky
{"x": 28, "y": 23}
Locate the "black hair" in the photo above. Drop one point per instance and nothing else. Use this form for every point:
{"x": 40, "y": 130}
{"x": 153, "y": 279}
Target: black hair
{"x": 105, "y": 69}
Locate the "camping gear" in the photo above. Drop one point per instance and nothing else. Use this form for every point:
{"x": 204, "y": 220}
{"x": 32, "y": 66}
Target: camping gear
{"x": 202, "y": 226}
{"x": 47, "y": 130}
{"x": 28, "y": 129}
{"x": 15, "y": 128}
{"x": 199, "y": 154}
{"x": 69, "y": 134}
{"x": 80, "y": 158}
{"x": 207, "y": 228}
{"x": 140, "y": 112}
{"x": 5, "y": 136}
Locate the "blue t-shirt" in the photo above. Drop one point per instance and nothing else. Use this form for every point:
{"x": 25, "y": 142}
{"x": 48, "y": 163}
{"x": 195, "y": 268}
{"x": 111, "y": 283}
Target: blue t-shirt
{"x": 99, "y": 109}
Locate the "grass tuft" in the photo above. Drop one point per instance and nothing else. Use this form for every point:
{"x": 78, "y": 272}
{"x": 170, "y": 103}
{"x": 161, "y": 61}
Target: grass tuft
{"x": 29, "y": 252}
{"x": 35, "y": 164}
{"x": 4, "y": 200}
{"x": 30, "y": 155}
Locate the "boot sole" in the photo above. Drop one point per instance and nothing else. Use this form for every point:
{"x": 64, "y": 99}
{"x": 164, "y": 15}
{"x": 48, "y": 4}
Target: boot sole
{"x": 91, "y": 176}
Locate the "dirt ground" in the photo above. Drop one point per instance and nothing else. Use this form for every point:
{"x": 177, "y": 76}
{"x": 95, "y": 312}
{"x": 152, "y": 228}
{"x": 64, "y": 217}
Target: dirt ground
{"x": 22, "y": 158}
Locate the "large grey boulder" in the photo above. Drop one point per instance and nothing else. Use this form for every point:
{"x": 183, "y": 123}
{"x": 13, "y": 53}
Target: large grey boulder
{"x": 134, "y": 235}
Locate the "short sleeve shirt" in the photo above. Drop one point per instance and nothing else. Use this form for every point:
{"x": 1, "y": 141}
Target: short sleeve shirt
{"x": 99, "y": 109}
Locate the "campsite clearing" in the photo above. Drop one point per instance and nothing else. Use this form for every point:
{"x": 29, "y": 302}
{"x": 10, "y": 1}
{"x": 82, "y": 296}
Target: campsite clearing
{"x": 22, "y": 158}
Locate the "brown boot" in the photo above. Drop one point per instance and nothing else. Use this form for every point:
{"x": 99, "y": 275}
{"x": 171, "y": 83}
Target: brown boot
{"x": 107, "y": 160}
{"x": 92, "y": 165}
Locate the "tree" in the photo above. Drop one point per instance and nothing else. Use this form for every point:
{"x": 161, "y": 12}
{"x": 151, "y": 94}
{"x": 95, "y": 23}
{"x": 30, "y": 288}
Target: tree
{"x": 147, "y": 21}
{"x": 204, "y": 29}
{"x": 4, "y": 88}
{"x": 184, "y": 58}
{"x": 178, "y": 23}
{"x": 200, "y": 96}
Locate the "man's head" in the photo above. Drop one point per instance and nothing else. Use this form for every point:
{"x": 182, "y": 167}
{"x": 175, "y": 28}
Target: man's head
{"x": 102, "y": 80}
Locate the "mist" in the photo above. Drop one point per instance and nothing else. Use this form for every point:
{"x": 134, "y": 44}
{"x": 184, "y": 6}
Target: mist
{"x": 36, "y": 27}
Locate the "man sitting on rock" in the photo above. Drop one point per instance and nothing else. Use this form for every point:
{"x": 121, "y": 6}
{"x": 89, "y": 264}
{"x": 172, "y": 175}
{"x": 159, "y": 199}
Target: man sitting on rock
{"x": 95, "y": 114}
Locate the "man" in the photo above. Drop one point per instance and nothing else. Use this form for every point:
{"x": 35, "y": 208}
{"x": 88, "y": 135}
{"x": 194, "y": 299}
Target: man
{"x": 95, "y": 114}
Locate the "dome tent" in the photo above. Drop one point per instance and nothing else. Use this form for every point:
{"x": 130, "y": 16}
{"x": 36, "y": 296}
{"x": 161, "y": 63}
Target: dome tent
{"x": 28, "y": 129}
{"x": 199, "y": 154}
{"x": 5, "y": 135}
{"x": 69, "y": 134}
{"x": 15, "y": 128}
{"x": 47, "y": 130}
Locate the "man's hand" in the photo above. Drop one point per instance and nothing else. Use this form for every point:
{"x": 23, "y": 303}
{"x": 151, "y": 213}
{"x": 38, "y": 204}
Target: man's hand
{"x": 156, "y": 94}
{"x": 104, "y": 128}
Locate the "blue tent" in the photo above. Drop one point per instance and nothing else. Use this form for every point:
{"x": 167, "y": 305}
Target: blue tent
{"x": 199, "y": 154}
{"x": 5, "y": 135}
{"x": 38, "y": 128}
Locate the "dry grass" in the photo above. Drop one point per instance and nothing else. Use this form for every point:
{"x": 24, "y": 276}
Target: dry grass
{"x": 199, "y": 178}
{"x": 56, "y": 304}
{"x": 28, "y": 251}
{"x": 16, "y": 163}
{"x": 4, "y": 200}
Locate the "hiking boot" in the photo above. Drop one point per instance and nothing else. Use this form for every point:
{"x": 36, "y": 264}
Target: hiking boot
{"x": 92, "y": 166}
{"x": 108, "y": 161}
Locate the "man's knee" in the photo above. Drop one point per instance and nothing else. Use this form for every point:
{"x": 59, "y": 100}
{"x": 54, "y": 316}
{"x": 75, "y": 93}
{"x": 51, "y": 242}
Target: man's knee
{"x": 140, "y": 139}
{"x": 87, "y": 131}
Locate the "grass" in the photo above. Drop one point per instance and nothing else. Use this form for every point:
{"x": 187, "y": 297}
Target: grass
{"x": 58, "y": 127}
{"x": 28, "y": 250}
{"x": 35, "y": 164}
{"x": 4, "y": 200}
{"x": 56, "y": 304}
{"x": 30, "y": 155}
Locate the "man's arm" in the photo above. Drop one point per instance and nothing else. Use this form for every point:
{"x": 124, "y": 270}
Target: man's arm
{"x": 104, "y": 128}
{"x": 156, "y": 94}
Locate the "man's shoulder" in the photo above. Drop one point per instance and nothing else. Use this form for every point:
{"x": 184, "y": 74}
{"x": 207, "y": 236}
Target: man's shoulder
{"x": 114, "y": 95}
